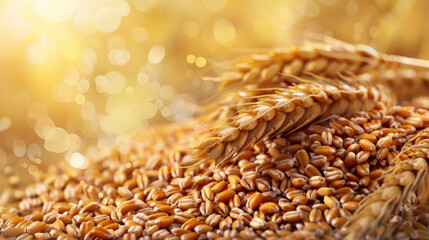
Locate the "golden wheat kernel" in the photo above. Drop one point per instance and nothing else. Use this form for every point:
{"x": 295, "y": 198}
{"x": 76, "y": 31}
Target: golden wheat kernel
{"x": 161, "y": 208}
{"x": 206, "y": 208}
{"x": 331, "y": 202}
{"x": 58, "y": 225}
{"x": 37, "y": 216}
{"x": 14, "y": 231}
{"x": 259, "y": 214}
{"x": 344, "y": 198}
{"x": 270, "y": 207}
{"x": 191, "y": 224}
{"x": 285, "y": 205}
{"x": 233, "y": 179}
{"x": 258, "y": 223}
{"x": 292, "y": 216}
{"x": 158, "y": 195}
{"x": 338, "y": 222}
{"x": 73, "y": 230}
{"x": 42, "y": 236}
{"x": 299, "y": 182}
{"x": 353, "y": 185}
{"x": 187, "y": 203}
{"x": 331, "y": 214}
{"x": 364, "y": 181}
{"x": 13, "y": 221}
{"x": 276, "y": 174}
{"x": 263, "y": 185}
{"x": 284, "y": 165}
{"x": 367, "y": 145}
{"x": 319, "y": 161}
{"x": 337, "y": 184}
{"x": 24, "y": 224}
{"x": 302, "y": 157}
{"x": 367, "y": 136}
{"x": 189, "y": 236}
{"x": 100, "y": 232}
{"x": 151, "y": 230}
{"x": 36, "y": 227}
{"x": 311, "y": 171}
{"x": 90, "y": 207}
{"x": 178, "y": 231}
{"x": 238, "y": 224}
{"x": 349, "y": 131}
{"x": 62, "y": 207}
{"x": 326, "y": 191}
{"x": 224, "y": 195}
{"x": 225, "y": 224}
{"x": 363, "y": 169}
{"x": 373, "y": 185}
{"x": 254, "y": 200}
{"x": 300, "y": 200}
{"x": 202, "y": 228}
{"x": 385, "y": 142}
{"x": 316, "y": 181}
{"x": 85, "y": 227}
{"x": 125, "y": 192}
{"x": 213, "y": 220}
{"x": 293, "y": 148}
{"x": 219, "y": 187}
{"x": 312, "y": 195}
{"x": 164, "y": 221}
{"x": 315, "y": 215}
{"x": 351, "y": 206}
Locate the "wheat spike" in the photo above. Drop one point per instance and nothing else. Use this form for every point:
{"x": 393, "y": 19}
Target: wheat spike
{"x": 329, "y": 59}
{"x": 405, "y": 83}
{"x": 284, "y": 111}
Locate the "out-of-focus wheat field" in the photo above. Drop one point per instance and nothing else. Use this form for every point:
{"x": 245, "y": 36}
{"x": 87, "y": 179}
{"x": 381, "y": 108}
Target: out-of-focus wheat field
{"x": 77, "y": 75}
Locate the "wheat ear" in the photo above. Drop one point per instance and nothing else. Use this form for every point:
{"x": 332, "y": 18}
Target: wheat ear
{"x": 284, "y": 111}
{"x": 328, "y": 58}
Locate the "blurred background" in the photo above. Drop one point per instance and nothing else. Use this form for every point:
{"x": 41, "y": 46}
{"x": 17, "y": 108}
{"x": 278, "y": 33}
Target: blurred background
{"x": 77, "y": 75}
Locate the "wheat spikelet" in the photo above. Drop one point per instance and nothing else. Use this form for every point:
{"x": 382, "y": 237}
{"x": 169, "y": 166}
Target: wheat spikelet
{"x": 407, "y": 179}
{"x": 285, "y": 110}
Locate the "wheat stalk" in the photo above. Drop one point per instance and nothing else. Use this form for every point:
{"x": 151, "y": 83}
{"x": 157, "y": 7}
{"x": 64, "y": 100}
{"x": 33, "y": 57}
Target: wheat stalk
{"x": 399, "y": 186}
{"x": 284, "y": 110}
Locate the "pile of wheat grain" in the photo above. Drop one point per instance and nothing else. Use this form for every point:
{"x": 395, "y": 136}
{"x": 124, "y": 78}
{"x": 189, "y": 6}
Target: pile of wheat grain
{"x": 312, "y": 145}
{"x": 309, "y": 182}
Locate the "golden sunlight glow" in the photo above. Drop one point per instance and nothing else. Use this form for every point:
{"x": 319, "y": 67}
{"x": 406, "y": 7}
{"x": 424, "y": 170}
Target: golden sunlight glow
{"x": 77, "y": 160}
{"x": 224, "y": 32}
{"x": 55, "y": 10}
{"x": 5, "y": 123}
{"x": 156, "y": 54}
